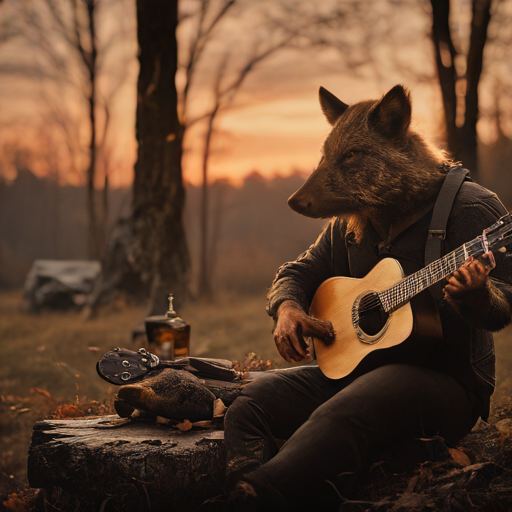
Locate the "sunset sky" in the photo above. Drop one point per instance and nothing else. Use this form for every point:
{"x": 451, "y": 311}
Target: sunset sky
{"x": 274, "y": 125}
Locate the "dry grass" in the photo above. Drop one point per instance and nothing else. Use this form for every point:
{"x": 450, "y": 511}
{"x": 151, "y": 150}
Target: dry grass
{"x": 49, "y": 361}
{"x": 57, "y": 351}
{"x": 231, "y": 327}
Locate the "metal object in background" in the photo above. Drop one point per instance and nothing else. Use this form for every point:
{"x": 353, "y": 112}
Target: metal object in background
{"x": 60, "y": 284}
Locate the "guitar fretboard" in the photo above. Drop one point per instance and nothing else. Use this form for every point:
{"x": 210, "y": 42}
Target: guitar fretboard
{"x": 402, "y": 292}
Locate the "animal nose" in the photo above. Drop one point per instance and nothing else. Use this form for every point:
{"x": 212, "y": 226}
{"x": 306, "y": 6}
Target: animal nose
{"x": 298, "y": 204}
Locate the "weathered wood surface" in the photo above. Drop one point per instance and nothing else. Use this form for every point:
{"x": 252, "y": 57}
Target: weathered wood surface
{"x": 88, "y": 465}
{"x": 131, "y": 466}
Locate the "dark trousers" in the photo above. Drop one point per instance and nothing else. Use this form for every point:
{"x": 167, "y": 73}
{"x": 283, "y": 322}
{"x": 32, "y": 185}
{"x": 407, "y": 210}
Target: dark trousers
{"x": 331, "y": 425}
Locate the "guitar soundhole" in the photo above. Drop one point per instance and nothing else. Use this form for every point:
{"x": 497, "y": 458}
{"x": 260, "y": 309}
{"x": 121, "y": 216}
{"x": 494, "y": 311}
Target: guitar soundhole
{"x": 372, "y": 317}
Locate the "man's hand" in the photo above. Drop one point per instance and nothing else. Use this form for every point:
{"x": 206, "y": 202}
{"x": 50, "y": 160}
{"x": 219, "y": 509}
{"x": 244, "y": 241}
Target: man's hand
{"x": 470, "y": 278}
{"x": 291, "y": 327}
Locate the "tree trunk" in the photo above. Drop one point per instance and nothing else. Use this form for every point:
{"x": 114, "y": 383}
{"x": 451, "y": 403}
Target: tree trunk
{"x": 100, "y": 464}
{"x": 481, "y": 17}
{"x": 94, "y": 245}
{"x": 158, "y": 191}
{"x": 205, "y": 286}
{"x": 445, "y": 56}
{"x": 460, "y": 92}
{"x": 104, "y": 232}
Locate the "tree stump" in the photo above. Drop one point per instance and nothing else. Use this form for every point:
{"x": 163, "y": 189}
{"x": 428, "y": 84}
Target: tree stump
{"x": 108, "y": 464}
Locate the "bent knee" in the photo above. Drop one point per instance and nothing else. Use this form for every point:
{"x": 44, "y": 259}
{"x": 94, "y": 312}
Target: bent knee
{"x": 263, "y": 387}
{"x": 344, "y": 418}
{"x": 237, "y": 410}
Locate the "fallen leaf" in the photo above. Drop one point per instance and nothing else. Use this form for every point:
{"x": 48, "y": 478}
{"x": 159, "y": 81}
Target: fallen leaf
{"x": 65, "y": 411}
{"x": 163, "y": 421}
{"x": 504, "y": 425}
{"x": 219, "y": 409}
{"x": 42, "y": 392}
{"x": 204, "y": 424}
{"x": 186, "y": 425}
{"x": 459, "y": 457}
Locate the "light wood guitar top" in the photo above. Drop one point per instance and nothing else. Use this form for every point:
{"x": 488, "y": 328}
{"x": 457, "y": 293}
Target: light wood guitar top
{"x": 334, "y": 301}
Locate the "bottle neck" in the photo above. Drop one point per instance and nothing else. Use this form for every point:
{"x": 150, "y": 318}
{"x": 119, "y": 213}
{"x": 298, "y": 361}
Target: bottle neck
{"x": 171, "y": 313}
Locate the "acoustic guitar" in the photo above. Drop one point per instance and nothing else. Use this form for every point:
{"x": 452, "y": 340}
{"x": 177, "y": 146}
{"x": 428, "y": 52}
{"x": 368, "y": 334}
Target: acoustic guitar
{"x": 374, "y": 313}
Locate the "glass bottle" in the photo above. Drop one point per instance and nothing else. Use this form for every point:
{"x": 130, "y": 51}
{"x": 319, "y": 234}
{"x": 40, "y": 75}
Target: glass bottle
{"x": 168, "y": 335}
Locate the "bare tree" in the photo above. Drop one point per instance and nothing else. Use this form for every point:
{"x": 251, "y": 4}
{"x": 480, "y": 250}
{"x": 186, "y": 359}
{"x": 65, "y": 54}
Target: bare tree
{"x": 223, "y": 95}
{"x": 459, "y": 76}
{"x": 63, "y": 37}
{"x": 207, "y": 18}
{"x": 496, "y": 109}
{"x": 458, "y": 54}
{"x": 273, "y": 26}
{"x": 158, "y": 191}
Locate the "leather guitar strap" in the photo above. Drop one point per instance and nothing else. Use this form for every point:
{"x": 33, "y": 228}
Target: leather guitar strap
{"x": 437, "y": 229}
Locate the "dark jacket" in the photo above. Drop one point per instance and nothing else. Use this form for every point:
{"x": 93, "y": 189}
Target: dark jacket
{"x": 466, "y": 352}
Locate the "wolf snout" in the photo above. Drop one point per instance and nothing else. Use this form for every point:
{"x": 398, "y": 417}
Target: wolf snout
{"x": 299, "y": 204}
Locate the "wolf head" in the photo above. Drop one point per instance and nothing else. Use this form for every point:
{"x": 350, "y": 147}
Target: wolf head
{"x": 372, "y": 163}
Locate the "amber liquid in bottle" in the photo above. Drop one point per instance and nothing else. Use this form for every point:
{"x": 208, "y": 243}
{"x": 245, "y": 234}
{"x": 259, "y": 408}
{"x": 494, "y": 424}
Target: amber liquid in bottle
{"x": 168, "y": 335}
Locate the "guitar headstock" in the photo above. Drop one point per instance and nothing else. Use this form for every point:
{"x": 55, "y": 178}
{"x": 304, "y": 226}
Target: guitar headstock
{"x": 121, "y": 366}
{"x": 499, "y": 235}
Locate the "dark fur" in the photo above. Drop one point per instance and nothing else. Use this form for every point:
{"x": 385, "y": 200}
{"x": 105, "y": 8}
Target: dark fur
{"x": 374, "y": 166}
{"x": 174, "y": 394}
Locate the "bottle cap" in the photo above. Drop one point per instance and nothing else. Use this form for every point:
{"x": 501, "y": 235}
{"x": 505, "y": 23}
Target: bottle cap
{"x": 171, "y": 313}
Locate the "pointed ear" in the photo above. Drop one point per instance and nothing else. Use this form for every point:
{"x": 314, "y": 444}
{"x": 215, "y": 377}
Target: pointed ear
{"x": 332, "y": 107}
{"x": 392, "y": 115}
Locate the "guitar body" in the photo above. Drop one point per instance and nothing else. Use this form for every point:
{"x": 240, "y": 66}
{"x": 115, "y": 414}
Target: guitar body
{"x": 360, "y": 320}
{"x": 342, "y": 301}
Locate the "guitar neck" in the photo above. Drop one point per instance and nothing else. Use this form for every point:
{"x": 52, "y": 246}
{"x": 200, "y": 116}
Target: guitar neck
{"x": 401, "y": 293}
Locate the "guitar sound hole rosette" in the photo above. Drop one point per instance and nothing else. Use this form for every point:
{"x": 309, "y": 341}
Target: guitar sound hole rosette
{"x": 366, "y": 297}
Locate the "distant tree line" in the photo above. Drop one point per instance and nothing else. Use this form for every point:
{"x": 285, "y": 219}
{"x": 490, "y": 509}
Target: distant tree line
{"x": 252, "y": 229}
{"x": 250, "y": 237}
{"x": 206, "y": 66}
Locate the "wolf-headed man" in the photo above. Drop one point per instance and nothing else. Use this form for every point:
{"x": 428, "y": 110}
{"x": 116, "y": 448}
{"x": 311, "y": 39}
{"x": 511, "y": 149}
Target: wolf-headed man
{"x": 378, "y": 181}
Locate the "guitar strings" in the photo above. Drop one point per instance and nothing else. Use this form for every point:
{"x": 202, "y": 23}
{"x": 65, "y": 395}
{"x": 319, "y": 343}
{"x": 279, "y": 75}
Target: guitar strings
{"x": 408, "y": 287}
{"x": 404, "y": 290}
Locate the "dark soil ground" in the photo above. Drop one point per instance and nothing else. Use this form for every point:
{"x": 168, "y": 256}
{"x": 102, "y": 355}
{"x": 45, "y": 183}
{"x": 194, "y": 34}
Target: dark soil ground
{"x": 477, "y": 475}
{"x": 49, "y": 370}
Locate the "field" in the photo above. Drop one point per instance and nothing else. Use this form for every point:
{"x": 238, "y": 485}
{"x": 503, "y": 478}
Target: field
{"x": 48, "y": 362}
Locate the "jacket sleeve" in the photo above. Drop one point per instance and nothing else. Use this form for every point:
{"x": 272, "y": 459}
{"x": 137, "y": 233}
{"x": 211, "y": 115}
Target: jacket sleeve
{"x": 491, "y": 307}
{"x": 299, "y": 280}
